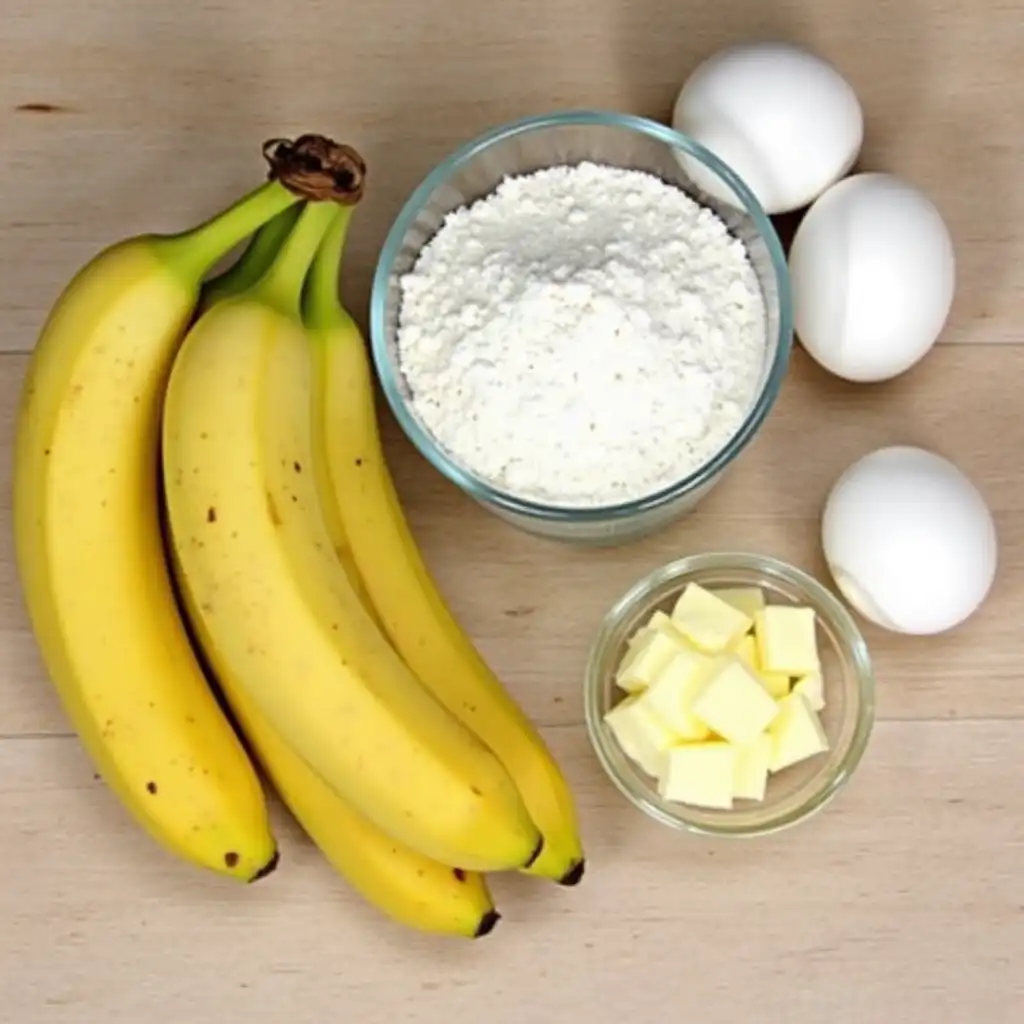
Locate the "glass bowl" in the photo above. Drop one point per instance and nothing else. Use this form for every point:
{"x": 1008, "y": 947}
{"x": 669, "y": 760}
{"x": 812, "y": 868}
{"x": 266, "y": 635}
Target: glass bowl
{"x": 529, "y": 145}
{"x": 794, "y": 793}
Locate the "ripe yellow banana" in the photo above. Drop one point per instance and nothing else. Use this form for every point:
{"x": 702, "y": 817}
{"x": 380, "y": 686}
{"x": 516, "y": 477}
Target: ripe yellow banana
{"x": 243, "y": 274}
{"x": 281, "y": 617}
{"x": 405, "y": 885}
{"x": 410, "y": 888}
{"x": 357, "y": 487}
{"x": 90, "y": 554}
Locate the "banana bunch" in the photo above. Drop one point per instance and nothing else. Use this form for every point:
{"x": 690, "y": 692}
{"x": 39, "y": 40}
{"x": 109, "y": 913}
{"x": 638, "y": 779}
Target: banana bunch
{"x": 206, "y": 527}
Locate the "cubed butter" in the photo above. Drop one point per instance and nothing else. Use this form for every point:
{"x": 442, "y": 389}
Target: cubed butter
{"x": 748, "y": 600}
{"x": 812, "y": 687}
{"x": 796, "y": 733}
{"x": 786, "y": 640}
{"x": 670, "y": 696}
{"x": 734, "y": 703}
{"x": 706, "y": 621}
{"x": 702, "y": 774}
{"x": 641, "y": 665}
{"x": 661, "y": 621}
{"x": 746, "y": 650}
{"x": 643, "y": 737}
{"x": 752, "y": 763}
{"x": 775, "y": 683}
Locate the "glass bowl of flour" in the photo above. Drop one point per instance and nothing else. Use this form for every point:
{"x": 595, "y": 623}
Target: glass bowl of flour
{"x": 575, "y": 333}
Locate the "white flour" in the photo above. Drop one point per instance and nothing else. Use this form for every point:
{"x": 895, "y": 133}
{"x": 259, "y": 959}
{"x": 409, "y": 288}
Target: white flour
{"x": 582, "y": 336}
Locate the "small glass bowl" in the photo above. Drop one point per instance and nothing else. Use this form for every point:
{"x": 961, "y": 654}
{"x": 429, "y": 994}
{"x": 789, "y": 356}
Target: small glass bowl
{"x": 798, "y": 791}
{"x": 528, "y": 145}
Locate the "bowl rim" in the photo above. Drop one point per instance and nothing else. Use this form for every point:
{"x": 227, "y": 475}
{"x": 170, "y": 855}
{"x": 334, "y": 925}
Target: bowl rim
{"x": 388, "y": 371}
{"x": 820, "y": 596}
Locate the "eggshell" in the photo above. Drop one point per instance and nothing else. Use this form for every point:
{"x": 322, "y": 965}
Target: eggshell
{"x": 873, "y": 272}
{"x": 781, "y": 117}
{"x": 909, "y": 540}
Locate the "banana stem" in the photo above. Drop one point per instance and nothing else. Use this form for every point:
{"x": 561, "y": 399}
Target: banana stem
{"x": 254, "y": 262}
{"x": 323, "y": 305}
{"x": 197, "y": 250}
{"x": 281, "y": 286}
{"x": 311, "y": 167}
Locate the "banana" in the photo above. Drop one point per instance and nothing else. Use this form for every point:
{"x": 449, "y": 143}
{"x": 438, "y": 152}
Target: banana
{"x": 357, "y": 486}
{"x": 281, "y": 617}
{"x": 406, "y": 886}
{"x": 250, "y": 266}
{"x": 89, "y": 549}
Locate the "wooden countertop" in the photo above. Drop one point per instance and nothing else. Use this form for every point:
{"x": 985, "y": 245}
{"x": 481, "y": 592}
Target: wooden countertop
{"x": 904, "y": 901}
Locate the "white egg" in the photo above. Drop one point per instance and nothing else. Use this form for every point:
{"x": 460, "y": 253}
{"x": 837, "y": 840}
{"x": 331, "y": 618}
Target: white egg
{"x": 909, "y": 540}
{"x": 873, "y": 273}
{"x": 782, "y": 118}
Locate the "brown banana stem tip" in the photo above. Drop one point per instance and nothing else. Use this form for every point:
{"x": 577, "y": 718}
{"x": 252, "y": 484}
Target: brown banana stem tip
{"x": 317, "y": 168}
{"x": 487, "y": 923}
{"x": 574, "y": 875}
{"x": 267, "y": 868}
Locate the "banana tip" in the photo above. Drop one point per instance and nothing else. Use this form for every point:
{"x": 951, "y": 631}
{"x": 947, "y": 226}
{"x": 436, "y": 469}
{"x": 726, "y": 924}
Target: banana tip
{"x": 536, "y": 853}
{"x": 574, "y": 874}
{"x": 267, "y": 868}
{"x": 487, "y": 923}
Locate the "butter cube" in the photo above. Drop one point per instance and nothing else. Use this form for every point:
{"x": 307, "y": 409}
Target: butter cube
{"x": 708, "y": 622}
{"x": 796, "y": 733}
{"x": 643, "y": 737}
{"x": 748, "y": 600}
{"x": 641, "y": 665}
{"x": 702, "y": 774}
{"x": 752, "y": 763}
{"x": 746, "y": 651}
{"x": 775, "y": 683}
{"x": 660, "y": 621}
{"x": 786, "y": 640}
{"x": 670, "y": 696}
{"x": 812, "y": 687}
{"x": 735, "y": 704}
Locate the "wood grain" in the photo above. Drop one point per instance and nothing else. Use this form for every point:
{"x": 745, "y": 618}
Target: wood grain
{"x": 902, "y": 902}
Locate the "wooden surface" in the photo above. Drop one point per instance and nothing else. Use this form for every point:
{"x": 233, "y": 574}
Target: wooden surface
{"x": 904, "y": 901}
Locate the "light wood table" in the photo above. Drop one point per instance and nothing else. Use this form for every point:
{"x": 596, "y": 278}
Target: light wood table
{"x": 903, "y": 902}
